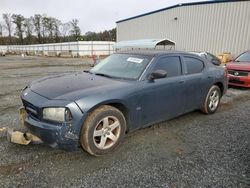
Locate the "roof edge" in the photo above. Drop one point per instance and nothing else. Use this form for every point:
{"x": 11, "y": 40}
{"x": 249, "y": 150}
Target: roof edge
{"x": 179, "y": 5}
{"x": 143, "y": 43}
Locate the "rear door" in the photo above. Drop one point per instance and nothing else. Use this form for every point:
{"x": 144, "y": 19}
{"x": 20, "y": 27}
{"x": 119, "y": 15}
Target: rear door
{"x": 196, "y": 82}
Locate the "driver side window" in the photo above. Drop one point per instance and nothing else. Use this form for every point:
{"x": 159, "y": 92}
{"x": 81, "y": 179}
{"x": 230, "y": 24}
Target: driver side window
{"x": 170, "y": 64}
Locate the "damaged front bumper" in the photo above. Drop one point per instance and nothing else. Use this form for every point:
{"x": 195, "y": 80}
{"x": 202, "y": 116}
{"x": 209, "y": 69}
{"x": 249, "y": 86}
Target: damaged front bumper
{"x": 31, "y": 130}
{"x": 23, "y": 138}
{"x": 20, "y": 134}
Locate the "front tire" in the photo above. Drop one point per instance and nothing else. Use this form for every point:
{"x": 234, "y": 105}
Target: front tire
{"x": 212, "y": 101}
{"x": 103, "y": 130}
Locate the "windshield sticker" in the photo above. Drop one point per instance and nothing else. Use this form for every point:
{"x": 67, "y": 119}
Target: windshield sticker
{"x": 134, "y": 60}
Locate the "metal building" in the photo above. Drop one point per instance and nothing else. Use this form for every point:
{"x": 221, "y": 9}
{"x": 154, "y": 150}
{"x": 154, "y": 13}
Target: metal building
{"x": 214, "y": 26}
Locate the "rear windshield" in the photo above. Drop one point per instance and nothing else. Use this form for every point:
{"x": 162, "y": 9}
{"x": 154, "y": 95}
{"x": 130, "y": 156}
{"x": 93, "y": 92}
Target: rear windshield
{"x": 122, "y": 66}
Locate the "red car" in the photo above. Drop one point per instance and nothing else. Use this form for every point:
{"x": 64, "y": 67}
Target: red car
{"x": 239, "y": 70}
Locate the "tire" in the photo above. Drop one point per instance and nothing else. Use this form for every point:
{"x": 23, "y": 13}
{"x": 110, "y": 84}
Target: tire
{"x": 212, "y": 101}
{"x": 103, "y": 130}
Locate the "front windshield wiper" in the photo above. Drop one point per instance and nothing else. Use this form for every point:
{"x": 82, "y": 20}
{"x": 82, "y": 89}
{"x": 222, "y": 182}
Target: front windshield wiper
{"x": 104, "y": 75}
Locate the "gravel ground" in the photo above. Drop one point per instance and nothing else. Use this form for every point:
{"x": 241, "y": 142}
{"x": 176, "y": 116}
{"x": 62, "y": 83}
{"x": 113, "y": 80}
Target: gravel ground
{"x": 194, "y": 150}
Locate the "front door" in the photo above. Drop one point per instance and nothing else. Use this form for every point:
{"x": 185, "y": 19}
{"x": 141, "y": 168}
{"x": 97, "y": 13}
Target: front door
{"x": 163, "y": 98}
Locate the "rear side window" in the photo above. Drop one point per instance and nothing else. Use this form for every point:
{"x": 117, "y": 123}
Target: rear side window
{"x": 193, "y": 65}
{"x": 171, "y": 64}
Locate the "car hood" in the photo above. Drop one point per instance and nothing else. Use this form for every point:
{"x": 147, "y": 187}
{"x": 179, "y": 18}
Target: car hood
{"x": 238, "y": 66}
{"x": 74, "y": 86}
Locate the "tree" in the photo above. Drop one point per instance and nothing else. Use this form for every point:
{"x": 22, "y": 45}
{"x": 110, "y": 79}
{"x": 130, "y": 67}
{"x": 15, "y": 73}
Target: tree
{"x": 37, "y": 21}
{"x": 1, "y": 29}
{"x": 8, "y": 25}
{"x": 107, "y": 35}
{"x": 45, "y": 29}
{"x": 51, "y": 29}
{"x": 65, "y": 29}
{"x": 113, "y": 34}
{"x": 28, "y": 29}
{"x": 18, "y": 19}
{"x": 75, "y": 29}
{"x": 57, "y": 24}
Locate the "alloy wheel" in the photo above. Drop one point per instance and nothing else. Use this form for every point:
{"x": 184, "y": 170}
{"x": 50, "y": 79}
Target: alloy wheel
{"x": 106, "y": 132}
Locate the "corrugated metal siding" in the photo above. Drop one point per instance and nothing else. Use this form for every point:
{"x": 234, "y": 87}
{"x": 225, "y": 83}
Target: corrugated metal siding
{"x": 218, "y": 27}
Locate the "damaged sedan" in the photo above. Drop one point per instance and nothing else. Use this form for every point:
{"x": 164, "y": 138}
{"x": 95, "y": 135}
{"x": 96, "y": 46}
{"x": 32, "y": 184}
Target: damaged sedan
{"x": 124, "y": 92}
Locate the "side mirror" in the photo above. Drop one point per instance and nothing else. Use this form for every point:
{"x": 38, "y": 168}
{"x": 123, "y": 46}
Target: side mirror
{"x": 157, "y": 74}
{"x": 216, "y": 62}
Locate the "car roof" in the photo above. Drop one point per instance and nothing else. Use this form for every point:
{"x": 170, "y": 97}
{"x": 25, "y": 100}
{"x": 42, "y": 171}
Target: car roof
{"x": 152, "y": 52}
{"x": 198, "y": 52}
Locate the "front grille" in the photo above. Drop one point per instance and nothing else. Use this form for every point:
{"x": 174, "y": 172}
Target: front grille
{"x": 236, "y": 82}
{"x": 31, "y": 109}
{"x": 238, "y": 73}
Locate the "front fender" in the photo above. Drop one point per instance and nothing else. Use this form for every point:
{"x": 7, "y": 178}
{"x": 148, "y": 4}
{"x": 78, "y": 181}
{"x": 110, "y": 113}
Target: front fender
{"x": 129, "y": 107}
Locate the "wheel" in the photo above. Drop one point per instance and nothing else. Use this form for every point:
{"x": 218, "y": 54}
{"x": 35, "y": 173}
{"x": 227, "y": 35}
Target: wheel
{"x": 212, "y": 100}
{"x": 103, "y": 130}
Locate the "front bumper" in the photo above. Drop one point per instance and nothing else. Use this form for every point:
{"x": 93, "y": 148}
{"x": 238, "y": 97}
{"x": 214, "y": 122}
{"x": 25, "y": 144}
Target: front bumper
{"x": 242, "y": 81}
{"x": 56, "y": 136}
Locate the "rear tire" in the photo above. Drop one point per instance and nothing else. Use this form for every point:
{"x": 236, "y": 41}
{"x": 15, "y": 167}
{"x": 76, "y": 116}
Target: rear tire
{"x": 103, "y": 130}
{"x": 212, "y": 101}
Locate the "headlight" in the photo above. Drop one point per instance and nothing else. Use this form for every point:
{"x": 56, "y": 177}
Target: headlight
{"x": 59, "y": 114}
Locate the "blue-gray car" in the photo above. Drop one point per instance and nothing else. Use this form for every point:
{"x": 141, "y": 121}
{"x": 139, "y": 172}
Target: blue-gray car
{"x": 124, "y": 92}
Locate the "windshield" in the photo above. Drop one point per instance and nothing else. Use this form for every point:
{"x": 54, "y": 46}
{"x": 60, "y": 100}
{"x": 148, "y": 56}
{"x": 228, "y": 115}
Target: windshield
{"x": 245, "y": 57}
{"x": 122, "y": 66}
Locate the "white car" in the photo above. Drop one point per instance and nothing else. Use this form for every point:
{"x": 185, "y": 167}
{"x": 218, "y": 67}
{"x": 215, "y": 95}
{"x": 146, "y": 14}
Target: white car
{"x": 208, "y": 56}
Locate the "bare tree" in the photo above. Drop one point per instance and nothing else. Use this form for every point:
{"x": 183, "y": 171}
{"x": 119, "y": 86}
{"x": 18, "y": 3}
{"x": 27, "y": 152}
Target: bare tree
{"x": 51, "y": 28}
{"x": 57, "y": 24}
{"x": 1, "y": 30}
{"x": 28, "y": 29}
{"x": 75, "y": 29}
{"x": 8, "y": 25}
{"x": 65, "y": 29}
{"x": 18, "y": 20}
{"x": 47, "y": 28}
{"x": 37, "y": 22}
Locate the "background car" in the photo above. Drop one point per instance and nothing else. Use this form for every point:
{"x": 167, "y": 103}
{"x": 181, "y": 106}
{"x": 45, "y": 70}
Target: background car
{"x": 126, "y": 91}
{"x": 239, "y": 70}
{"x": 208, "y": 56}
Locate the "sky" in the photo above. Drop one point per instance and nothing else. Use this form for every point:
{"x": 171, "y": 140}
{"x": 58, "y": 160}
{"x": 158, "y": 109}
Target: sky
{"x": 93, "y": 15}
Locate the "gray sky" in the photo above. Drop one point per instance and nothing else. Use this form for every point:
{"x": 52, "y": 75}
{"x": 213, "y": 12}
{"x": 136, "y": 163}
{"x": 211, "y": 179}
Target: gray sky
{"x": 93, "y": 15}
